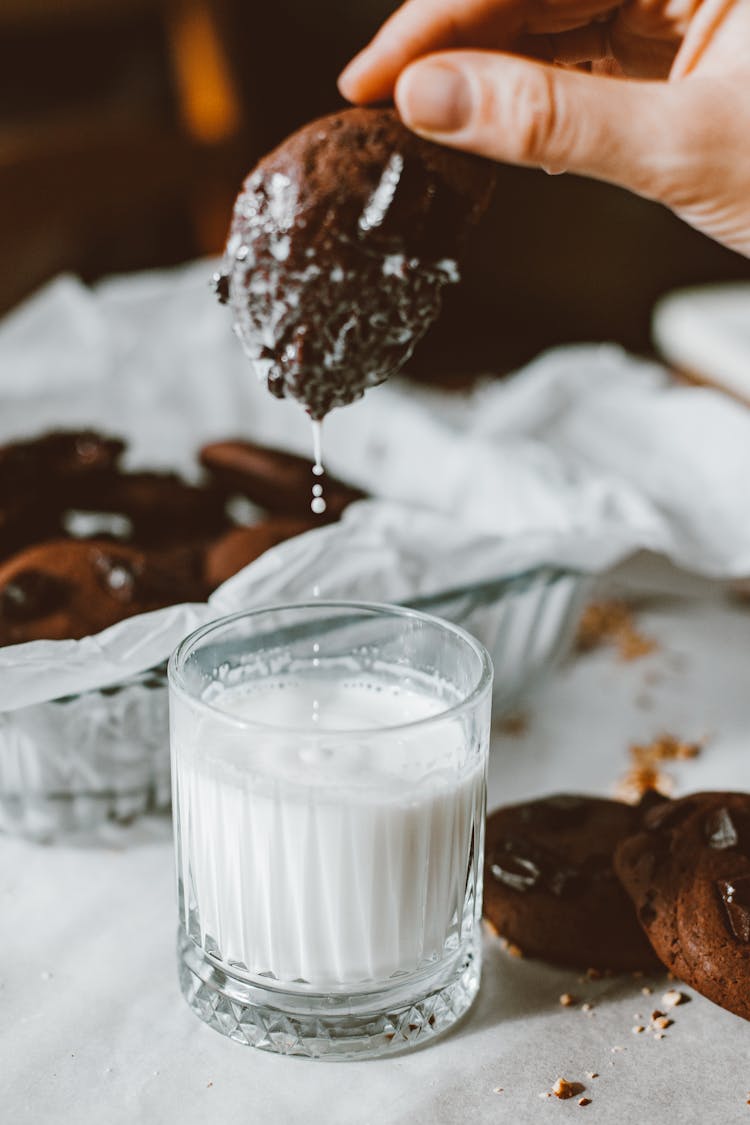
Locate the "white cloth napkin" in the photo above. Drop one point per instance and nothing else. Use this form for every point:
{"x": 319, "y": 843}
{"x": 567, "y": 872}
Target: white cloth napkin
{"x": 580, "y": 459}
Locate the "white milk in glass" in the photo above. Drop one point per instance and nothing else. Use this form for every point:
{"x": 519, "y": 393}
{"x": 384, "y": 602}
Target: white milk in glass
{"x": 319, "y": 856}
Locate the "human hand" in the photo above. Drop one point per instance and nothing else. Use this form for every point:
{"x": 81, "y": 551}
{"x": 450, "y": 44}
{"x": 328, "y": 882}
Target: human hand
{"x": 503, "y": 78}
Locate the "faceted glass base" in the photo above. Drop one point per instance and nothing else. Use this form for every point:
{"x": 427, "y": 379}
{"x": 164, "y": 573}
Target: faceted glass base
{"x": 411, "y": 1012}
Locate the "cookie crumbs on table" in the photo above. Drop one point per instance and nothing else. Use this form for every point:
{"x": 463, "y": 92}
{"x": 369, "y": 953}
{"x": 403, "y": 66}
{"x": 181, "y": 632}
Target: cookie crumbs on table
{"x": 515, "y": 725}
{"x": 567, "y": 1000}
{"x": 645, "y": 774}
{"x": 673, "y": 997}
{"x": 565, "y": 1089}
{"x": 612, "y": 622}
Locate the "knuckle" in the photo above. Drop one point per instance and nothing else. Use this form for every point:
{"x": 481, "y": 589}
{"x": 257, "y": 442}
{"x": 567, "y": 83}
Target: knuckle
{"x": 534, "y": 114}
{"x": 685, "y": 152}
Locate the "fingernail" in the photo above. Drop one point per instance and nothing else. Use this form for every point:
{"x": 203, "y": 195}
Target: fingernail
{"x": 434, "y": 98}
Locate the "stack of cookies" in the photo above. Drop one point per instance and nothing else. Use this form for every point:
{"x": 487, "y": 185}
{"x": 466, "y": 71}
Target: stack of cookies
{"x": 85, "y": 544}
{"x": 593, "y": 883}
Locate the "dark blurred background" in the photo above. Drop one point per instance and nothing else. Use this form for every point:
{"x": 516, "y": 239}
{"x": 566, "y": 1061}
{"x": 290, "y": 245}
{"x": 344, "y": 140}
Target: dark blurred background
{"x": 126, "y": 127}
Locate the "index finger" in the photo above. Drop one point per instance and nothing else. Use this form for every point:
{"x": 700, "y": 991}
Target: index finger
{"x": 420, "y": 27}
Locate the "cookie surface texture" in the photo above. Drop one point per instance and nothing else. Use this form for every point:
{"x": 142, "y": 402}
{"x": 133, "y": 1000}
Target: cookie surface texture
{"x": 550, "y": 887}
{"x": 688, "y": 873}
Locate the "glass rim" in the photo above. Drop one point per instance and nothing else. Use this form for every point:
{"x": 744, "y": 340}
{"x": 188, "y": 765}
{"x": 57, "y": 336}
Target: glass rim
{"x": 481, "y": 687}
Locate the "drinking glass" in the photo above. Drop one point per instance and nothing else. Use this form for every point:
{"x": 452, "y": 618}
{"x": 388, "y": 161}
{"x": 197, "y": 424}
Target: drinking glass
{"x": 329, "y": 777}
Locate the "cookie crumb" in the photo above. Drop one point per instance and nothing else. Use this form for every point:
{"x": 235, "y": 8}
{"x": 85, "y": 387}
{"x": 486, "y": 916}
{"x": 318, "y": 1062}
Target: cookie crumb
{"x": 587, "y": 1007}
{"x": 637, "y": 1029}
{"x": 645, "y": 775}
{"x": 662, "y": 1022}
{"x": 584, "y": 1101}
{"x": 659, "y": 1035}
{"x": 673, "y": 997}
{"x": 567, "y": 1001}
{"x": 498, "y": 1090}
{"x": 611, "y": 622}
{"x": 544, "y": 1094}
{"x": 646, "y": 991}
{"x": 564, "y": 1089}
{"x": 515, "y": 725}
{"x": 208, "y": 1085}
{"x": 593, "y": 1074}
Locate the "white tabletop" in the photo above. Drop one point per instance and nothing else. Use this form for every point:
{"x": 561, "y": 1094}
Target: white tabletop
{"x": 93, "y": 1028}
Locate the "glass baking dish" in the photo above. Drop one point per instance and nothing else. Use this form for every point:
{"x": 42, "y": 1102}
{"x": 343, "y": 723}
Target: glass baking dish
{"x": 69, "y": 764}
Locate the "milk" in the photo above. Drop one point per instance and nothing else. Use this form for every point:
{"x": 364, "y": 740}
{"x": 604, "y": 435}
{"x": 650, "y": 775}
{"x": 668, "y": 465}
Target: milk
{"x": 310, "y": 854}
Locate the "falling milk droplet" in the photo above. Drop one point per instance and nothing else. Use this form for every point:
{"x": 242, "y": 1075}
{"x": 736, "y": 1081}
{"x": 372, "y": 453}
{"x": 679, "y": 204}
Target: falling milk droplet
{"x": 318, "y": 504}
{"x": 317, "y": 433}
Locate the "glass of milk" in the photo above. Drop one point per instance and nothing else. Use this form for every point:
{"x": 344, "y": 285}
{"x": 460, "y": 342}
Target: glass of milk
{"x": 329, "y": 773}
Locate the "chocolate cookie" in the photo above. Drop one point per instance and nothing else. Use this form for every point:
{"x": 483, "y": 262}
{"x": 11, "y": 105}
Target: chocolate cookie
{"x": 56, "y": 457}
{"x": 67, "y": 589}
{"x": 243, "y": 545}
{"x": 341, "y": 242}
{"x": 41, "y": 476}
{"x": 688, "y": 873}
{"x": 277, "y": 481}
{"x": 159, "y": 509}
{"x": 549, "y": 884}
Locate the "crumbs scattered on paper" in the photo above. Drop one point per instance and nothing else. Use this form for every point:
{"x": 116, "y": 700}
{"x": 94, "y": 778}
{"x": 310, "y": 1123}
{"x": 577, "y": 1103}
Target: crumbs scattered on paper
{"x": 645, "y": 774}
{"x": 514, "y": 725}
{"x": 613, "y": 623}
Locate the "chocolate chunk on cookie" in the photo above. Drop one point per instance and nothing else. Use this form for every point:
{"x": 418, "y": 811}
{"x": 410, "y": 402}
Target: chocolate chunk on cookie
{"x": 688, "y": 874}
{"x": 341, "y": 243}
{"x": 68, "y": 589}
{"x": 277, "y": 481}
{"x": 244, "y": 545}
{"x": 550, "y": 887}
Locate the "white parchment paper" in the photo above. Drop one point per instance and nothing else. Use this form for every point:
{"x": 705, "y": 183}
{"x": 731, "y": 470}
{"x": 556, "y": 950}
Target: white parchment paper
{"x": 585, "y": 456}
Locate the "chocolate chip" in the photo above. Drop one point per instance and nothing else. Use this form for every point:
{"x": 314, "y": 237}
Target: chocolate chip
{"x": 516, "y": 872}
{"x": 721, "y": 832}
{"x": 524, "y": 866}
{"x": 32, "y": 593}
{"x": 735, "y": 895}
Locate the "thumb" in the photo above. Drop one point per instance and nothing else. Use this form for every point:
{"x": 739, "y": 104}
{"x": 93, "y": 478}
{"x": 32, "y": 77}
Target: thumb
{"x": 524, "y": 112}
